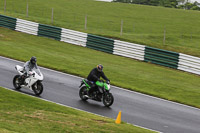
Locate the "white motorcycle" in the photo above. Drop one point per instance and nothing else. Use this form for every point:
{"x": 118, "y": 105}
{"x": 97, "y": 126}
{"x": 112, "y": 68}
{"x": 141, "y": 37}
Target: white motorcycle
{"x": 33, "y": 82}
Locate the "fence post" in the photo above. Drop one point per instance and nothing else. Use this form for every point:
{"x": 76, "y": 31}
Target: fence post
{"x": 86, "y": 22}
{"x": 121, "y": 27}
{"x": 4, "y": 6}
{"x": 164, "y": 36}
{"x": 52, "y": 17}
{"x": 27, "y": 10}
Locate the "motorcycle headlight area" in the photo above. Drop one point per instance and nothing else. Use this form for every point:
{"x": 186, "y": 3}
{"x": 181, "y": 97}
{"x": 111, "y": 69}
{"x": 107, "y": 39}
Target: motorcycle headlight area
{"x": 109, "y": 86}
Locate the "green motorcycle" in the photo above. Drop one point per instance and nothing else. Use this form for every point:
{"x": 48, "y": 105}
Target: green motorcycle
{"x": 100, "y": 93}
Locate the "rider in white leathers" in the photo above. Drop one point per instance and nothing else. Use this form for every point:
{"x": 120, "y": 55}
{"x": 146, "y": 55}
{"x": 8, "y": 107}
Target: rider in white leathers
{"x": 29, "y": 66}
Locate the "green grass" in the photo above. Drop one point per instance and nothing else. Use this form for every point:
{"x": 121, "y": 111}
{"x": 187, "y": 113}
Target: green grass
{"x": 141, "y": 24}
{"x": 135, "y": 75}
{"x": 22, "y": 113}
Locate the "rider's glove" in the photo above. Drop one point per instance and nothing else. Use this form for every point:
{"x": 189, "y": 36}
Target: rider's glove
{"x": 29, "y": 73}
{"x": 108, "y": 81}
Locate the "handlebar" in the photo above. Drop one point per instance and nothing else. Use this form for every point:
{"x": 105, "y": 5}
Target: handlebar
{"x": 107, "y": 81}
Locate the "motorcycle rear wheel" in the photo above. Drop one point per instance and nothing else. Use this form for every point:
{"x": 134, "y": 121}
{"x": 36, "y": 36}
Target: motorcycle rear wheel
{"x": 82, "y": 92}
{"x": 37, "y": 88}
{"x": 108, "y": 99}
{"x": 16, "y": 82}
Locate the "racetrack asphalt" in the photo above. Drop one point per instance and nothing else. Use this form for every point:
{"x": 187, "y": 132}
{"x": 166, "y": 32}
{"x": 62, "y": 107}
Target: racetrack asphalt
{"x": 137, "y": 109}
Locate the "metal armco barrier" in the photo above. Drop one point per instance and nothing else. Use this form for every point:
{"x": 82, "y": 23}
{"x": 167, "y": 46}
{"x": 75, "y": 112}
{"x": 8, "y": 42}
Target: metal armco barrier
{"x": 140, "y": 52}
{"x": 161, "y": 57}
{"x": 49, "y": 31}
{"x": 100, "y": 43}
{"x": 74, "y": 37}
{"x": 189, "y": 63}
{"x": 27, "y": 26}
{"x": 7, "y": 22}
{"x": 130, "y": 50}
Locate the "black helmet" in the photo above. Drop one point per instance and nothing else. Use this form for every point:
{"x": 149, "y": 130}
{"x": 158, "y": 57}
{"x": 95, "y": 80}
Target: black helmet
{"x": 100, "y": 68}
{"x": 33, "y": 60}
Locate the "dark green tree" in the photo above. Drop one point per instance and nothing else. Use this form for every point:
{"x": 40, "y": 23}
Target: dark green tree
{"x": 182, "y": 4}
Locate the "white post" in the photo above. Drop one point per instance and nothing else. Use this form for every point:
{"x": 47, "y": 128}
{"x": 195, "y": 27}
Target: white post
{"x": 52, "y": 16}
{"x": 121, "y": 27}
{"x": 164, "y": 36}
{"x": 27, "y": 10}
{"x": 86, "y": 22}
{"x": 5, "y": 6}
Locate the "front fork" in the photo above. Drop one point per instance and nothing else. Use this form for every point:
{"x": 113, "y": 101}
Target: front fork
{"x": 81, "y": 84}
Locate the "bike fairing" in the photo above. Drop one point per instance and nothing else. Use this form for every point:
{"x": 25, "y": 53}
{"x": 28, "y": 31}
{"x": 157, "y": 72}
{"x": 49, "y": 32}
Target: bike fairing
{"x": 102, "y": 93}
{"x": 33, "y": 82}
{"x": 98, "y": 83}
{"x": 29, "y": 77}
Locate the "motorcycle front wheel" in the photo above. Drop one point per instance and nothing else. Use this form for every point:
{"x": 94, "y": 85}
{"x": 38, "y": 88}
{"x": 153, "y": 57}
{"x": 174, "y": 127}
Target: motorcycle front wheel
{"x": 108, "y": 99}
{"x": 16, "y": 82}
{"x": 82, "y": 92}
{"x": 37, "y": 88}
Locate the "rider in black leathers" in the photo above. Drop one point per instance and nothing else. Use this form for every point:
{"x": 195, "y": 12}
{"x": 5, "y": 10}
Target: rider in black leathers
{"x": 94, "y": 76}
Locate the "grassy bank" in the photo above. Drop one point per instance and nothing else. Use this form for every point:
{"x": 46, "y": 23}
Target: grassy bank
{"x": 21, "y": 113}
{"x": 141, "y": 24}
{"x": 125, "y": 72}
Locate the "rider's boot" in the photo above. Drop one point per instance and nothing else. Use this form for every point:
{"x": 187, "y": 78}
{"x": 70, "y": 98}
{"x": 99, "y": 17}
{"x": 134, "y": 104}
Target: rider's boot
{"x": 23, "y": 78}
{"x": 89, "y": 94}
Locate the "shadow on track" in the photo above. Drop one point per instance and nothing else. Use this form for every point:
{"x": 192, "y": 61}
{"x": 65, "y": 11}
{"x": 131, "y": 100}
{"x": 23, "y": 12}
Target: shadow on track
{"x": 94, "y": 104}
{"x": 25, "y": 91}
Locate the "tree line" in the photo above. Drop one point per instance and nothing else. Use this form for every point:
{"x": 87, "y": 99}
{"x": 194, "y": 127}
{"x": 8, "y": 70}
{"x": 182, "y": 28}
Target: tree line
{"x": 181, "y": 4}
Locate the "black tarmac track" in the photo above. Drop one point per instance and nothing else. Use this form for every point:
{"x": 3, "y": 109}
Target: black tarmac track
{"x": 137, "y": 109}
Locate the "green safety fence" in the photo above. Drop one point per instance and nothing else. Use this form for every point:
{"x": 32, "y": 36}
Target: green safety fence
{"x": 100, "y": 43}
{"x": 161, "y": 57}
{"x": 7, "y": 22}
{"x": 49, "y": 31}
